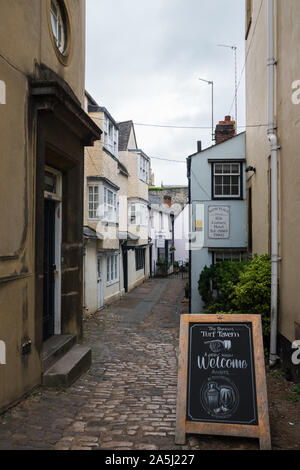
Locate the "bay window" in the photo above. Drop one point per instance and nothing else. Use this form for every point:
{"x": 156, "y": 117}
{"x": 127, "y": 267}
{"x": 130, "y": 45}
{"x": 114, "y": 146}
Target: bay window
{"x": 143, "y": 169}
{"x": 110, "y": 205}
{"x": 110, "y": 136}
{"x": 138, "y": 214}
{"x": 93, "y": 201}
{"x": 102, "y": 202}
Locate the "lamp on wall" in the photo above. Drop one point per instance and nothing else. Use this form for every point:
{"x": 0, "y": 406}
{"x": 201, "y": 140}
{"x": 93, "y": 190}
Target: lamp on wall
{"x": 250, "y": 168}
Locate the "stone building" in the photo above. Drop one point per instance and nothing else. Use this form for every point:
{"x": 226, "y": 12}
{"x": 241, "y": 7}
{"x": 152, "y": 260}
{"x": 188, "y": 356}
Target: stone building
{"x": 272, "y": 94}
{"x": 44, "y": 129}
{"x": 134, "y": 225}
{"x": 106, "y": 183}
{"x": 176, "y": 198}
{"x": 217, "y": 206}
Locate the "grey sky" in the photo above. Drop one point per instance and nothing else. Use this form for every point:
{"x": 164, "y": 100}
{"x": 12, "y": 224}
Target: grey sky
{"x": 143, "y": 63}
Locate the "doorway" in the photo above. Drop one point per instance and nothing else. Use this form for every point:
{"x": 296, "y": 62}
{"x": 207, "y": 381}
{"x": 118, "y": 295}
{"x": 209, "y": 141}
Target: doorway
{"x": 49, "y": 269}
{"x": 52, "y": 253}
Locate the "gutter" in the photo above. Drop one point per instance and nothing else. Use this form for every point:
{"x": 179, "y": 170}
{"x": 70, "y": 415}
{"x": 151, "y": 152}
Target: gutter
{"x": 271, "y": 133}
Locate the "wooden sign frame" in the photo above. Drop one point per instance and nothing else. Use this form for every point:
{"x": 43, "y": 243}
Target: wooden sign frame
{"x": 260, "y": 431}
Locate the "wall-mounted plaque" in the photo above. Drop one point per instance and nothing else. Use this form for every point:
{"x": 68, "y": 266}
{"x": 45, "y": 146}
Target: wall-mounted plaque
{"x": 160, "y": 243}
{"x": 221, "y": 382}
{"x": 219, "y": 222}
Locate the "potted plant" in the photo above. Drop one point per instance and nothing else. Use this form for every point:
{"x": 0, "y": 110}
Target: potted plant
{"x": 176, "y": 266}
{"x": 187, "y": 290}
{"x": 163, "y": 266}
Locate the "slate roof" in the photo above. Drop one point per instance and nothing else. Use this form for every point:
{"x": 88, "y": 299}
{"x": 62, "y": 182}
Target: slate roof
{"x": 122, "y": 168}
{"x": 88, "y": 232}
{"x": 124, "y": 134}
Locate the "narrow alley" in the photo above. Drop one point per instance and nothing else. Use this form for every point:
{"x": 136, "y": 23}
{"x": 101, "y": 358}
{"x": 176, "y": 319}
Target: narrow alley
{"x": 127, "y": 400}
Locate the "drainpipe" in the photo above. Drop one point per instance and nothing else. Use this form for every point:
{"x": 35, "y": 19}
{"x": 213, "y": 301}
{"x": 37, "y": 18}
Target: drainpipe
{"x": 271, "y": 132}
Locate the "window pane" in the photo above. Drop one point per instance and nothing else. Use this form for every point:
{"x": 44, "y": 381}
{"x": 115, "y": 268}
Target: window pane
{"x": 218, "y": 180}
{"x": 218, "y": 190}
{"x": 54, "y": 25}
{"x": 235, "y": 168}
{"x": 53, "y": 8}
{"x": 218, "y": 168}
{"x": 226, "y": 168}
{"x": 112, "y": 267}
{"x": 235, "y": 190}
{"x": 116, "y": 267}
{"x": 108, "y": 269}
{"x": 226, "y": 190}
{"x": 235, "y": 180}
{"x": 50, "y": 182}
{"x": 226, "y": 180}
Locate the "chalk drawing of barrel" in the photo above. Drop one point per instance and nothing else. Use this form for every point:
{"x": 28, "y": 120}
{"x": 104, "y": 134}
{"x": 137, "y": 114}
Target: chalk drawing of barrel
{"x": 216, "y": 345}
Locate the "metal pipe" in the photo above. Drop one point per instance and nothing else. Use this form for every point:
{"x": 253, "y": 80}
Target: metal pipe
{"x": 274, "y": 186}
{"x": 209, "y": 82}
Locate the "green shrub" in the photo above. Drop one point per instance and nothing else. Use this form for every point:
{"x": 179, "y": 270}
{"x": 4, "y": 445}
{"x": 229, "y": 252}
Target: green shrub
{"x": 238, "y": 287}
{"x": 216, "y": 285}
{"x": 252, "y": 294}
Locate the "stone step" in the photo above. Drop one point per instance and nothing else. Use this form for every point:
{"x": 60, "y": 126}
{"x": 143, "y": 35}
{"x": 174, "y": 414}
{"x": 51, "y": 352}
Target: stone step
{"x": 55, "y": 348}
{"x": 69, "y": 368}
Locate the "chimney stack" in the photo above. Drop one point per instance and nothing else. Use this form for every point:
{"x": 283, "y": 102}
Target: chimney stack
{"x": 225, "y": 130}
{"x": 199, "y": 146}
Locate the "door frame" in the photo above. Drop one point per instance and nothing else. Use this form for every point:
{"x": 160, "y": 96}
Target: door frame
{"x": 57, "y": 198}
{"x": 125, "y": 266}
{"x": 100, "y": 284}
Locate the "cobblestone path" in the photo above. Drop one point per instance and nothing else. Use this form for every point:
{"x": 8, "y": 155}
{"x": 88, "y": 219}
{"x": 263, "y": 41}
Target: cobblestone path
{"x": 127, "y": 400}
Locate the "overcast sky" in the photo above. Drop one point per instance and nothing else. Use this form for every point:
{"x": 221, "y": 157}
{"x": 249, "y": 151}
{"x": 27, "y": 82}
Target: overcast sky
{"x": 144, "y": 59}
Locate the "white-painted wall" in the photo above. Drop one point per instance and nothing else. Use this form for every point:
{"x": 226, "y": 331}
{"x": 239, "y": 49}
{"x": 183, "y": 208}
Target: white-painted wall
{"x": 181, "y": 235}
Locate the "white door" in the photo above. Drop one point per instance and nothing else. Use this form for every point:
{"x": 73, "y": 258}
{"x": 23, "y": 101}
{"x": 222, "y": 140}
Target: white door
{"x": 100, "y": 281}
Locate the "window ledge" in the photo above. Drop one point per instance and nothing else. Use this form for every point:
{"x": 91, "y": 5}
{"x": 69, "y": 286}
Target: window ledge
{"x": 111, "y": 283}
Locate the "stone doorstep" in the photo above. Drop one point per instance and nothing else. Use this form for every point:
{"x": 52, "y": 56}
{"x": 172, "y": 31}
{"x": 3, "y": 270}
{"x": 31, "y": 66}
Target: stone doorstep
{"x": 68, "y": 368}
{"x": 55, "y": 348}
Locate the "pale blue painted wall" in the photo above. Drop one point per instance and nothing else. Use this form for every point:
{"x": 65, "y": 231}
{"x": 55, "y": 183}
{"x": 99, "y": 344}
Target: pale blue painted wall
{"x": 201, "y": 193}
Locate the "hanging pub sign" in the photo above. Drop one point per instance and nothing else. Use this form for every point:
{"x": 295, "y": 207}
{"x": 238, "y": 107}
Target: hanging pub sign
{"x": 221, "y": 378}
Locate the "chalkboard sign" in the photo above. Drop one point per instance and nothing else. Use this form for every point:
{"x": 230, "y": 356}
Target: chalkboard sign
{"x": 221, "y": 382}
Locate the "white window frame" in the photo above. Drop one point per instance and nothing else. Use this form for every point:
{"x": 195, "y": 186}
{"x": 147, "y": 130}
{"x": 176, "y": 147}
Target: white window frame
{"x": 111, "y": 136}
{"x": 229, "y": 256}
{"x": 57, "y": 197}
{"x": 110, "y": 204}
{"x": 112, "y": 268}
{"x": 138, "y": 214}
{"x": 97, "y": 210}
{"x": 58, "y": 26}
{"x": 230, "y": 175}
{"x": 143, "y": 169}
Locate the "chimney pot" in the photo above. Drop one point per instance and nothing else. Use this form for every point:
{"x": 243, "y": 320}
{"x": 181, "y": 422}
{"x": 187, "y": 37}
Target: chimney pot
{"x": 168, "y": 200}
{"x": 199, "y": 146}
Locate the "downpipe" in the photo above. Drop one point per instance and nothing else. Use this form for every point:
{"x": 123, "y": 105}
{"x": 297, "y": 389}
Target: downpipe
{"x": 274, "y": 187}
{"x": 274, "y": 251}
